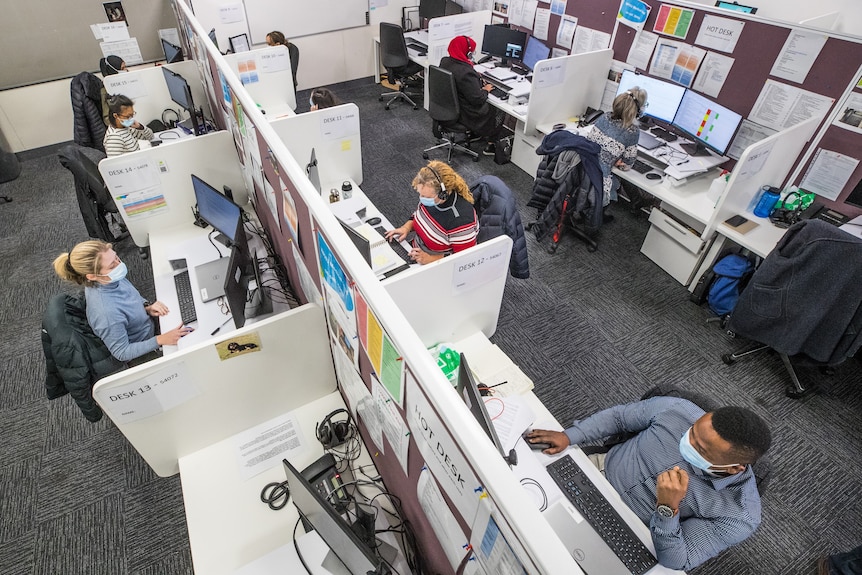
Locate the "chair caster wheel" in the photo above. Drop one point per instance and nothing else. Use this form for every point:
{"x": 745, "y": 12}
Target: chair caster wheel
{"x": 415, "y": 107}
{"x": 424, "y": 156}
{"x": 727, "y": 359}
{"x": 380, "y": 99}
{"x": 552, "y": 249}
{"x": 386, "y": 107}
{"x": 591, "y": 249}
{"x": 476, "y": 159}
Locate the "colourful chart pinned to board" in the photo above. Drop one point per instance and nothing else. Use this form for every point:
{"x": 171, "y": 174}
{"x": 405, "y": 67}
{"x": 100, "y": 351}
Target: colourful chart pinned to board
{"x": 673, "y": 21}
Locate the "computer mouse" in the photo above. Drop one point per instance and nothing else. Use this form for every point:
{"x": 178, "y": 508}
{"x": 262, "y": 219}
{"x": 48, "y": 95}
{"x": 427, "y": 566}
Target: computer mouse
{"x": 653, "y": 176}
{"x": 540, "y": 446}
{"x": 373, "y": 221}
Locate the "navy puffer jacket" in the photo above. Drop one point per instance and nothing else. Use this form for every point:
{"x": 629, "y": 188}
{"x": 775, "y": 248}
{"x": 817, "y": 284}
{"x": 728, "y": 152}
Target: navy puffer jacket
{"x": 498, "y": 215}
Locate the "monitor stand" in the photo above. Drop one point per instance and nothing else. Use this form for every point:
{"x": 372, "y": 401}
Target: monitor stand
{"x": 695, "y": 149}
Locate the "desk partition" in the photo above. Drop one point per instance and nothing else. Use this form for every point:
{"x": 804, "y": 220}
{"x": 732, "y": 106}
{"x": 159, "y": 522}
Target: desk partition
{"x": 266, "y": 75}
{"x": 442, "y": 30}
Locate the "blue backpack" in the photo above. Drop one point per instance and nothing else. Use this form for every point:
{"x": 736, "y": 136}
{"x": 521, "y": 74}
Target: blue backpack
{"x": 732, "y": 273}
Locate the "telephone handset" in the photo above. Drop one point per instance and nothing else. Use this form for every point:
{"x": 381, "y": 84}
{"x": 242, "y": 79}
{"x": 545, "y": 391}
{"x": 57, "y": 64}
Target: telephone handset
{"x": 590, "y": 117}
{"x": 323, "y": 475}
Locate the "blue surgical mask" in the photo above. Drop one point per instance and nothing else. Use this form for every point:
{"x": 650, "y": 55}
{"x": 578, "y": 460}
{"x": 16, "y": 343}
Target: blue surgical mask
{"x": 311, "y": 102}
{"x": 118, "y": 272}
{"x": 693, "y": 456}
{"x": 128, "y": 123}
{"x": 427, "y": 202}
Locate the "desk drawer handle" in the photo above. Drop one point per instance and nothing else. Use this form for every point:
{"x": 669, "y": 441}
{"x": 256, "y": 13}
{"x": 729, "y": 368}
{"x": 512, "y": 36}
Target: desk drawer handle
{"x": 676, "y": 227}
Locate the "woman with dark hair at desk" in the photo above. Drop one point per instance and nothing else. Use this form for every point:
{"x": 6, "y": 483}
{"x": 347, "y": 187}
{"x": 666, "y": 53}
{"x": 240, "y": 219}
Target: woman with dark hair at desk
{"x": 322, "y": 98}
{"x": 124, "y": 130}
{"x": 617, "y": 136}
{"x": 444, "y": 221}
{"x": 110, "y": 65}
{"x": 115, "y": 309}
{"x": 276, "y": 38}
{"x": 477, "y": 114}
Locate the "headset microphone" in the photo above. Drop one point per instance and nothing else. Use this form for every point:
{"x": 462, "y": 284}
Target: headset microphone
{"x": 442, "y": 193}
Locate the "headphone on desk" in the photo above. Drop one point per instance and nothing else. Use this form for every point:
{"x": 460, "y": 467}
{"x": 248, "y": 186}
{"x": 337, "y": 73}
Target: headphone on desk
{"x": 333, "y": 433}
{"x": 442, "y": 194}
{"x": 167, "y": 120}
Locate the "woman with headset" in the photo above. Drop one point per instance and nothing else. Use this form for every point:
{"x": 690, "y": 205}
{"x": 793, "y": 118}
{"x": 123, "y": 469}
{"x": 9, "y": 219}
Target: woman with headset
{"x": 124, "y": 130}
{"x": 617, "y": 136}
{"x": 477, "y": 114}
{"x": 444, "y": 221}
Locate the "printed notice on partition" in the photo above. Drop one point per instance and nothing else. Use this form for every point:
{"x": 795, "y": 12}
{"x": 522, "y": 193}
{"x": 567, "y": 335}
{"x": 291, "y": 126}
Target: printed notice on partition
{"x": 482, "y": 268}
{"x": 445, "y": 526}
{"x": 339, "y": 123}
{"x": 550, "y": 73}
{"x": 828, "y": 173}
{"x": 158, "y": 392}
{"x": 130, "y": 85}
{"x": 271, "y": 61}
{"x": 265, "y": 445}
{"x": 136, "y": 189}
{"x": 780, "y": 106}
{"x": 798, "y": 55}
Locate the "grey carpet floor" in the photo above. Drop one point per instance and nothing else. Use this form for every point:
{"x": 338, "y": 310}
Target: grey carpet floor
{"x": 591, "y": 330}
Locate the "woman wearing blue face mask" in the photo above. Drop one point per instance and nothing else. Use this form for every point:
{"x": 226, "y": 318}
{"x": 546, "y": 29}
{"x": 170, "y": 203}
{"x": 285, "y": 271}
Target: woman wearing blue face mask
{"x": 115, "y": 309}
{"x": 124, "y": 130}
{"x": 444, "y": 221}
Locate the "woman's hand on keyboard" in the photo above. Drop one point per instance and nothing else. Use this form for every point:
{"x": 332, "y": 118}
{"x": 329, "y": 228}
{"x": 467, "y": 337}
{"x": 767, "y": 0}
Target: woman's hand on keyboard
{"x": 488, "y": 87}
{"x": 558, "y": 440}
{"x": 398, "y": 234}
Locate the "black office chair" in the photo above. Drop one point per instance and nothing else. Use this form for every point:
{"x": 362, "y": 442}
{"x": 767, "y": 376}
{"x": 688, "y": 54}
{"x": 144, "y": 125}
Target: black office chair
{"x": 400, "y": 70}
{"x": 445, "y": 110}
{"x": 804, "y": 301}
{"x": 293, "y": 52}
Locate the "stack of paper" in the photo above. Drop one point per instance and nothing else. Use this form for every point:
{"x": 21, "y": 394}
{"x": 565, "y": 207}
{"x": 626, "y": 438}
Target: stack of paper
{"x": 492, "y": 367}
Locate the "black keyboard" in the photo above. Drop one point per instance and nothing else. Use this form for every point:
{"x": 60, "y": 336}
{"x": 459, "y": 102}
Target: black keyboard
{"x": 502, "y": 94}
{"x": 601, "y": 515}
{"x": 417, "y": 45}
{"x": 642, "y": 167}
{"x": 185, "y": 297}
{"x": 396, "y": 246}
{"x": 665, "y": 135}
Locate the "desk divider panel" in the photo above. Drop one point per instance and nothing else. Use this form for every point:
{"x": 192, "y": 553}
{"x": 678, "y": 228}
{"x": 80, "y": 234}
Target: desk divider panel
{"x": 332, "y": 262}
{"x": 266, "y": 75}
{"x": 334, "y": 135}
{"x": 583, "y": 83}
{"x": 214, "y": 398}
{"x": 147, "y": 88}
{"x": 153, "y": 187}
{"x": 442, "y": 30}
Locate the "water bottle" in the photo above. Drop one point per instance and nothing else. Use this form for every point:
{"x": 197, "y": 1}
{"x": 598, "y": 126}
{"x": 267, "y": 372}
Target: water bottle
{"x": 768, "y": 198}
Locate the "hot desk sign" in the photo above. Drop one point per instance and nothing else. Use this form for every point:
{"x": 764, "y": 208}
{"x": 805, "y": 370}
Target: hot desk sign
{"x": 151, "y": 395}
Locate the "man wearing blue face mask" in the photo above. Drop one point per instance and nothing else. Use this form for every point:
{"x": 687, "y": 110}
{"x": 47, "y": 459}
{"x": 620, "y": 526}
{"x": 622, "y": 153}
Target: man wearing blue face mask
{"x": 686, "y": 473}
{"x": 115, "y": 309}
{"x": 124, "y": 130}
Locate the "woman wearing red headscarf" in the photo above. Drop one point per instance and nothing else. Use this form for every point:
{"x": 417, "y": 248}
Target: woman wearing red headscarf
{"x": 476, "y": 113}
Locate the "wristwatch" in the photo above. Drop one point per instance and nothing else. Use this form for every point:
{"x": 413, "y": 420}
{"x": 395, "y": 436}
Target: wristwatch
{"x": 665, "y": 511}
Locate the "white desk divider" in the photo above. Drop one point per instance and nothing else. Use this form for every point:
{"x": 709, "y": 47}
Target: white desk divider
{"x": 153, "y": 187}
{"x": 460, "y": 294}
{"x": 334, "y": 135}
{"x": 564, "y": 87}
{"x": 148, "y": 90}
{"x": 191, "y": 399}
{"x": 266, "y": 75}
{"x": 442, "y": 30}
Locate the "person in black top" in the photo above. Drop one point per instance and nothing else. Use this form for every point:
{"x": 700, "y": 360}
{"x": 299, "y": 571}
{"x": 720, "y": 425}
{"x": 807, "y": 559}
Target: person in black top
{"x": 476, "y": 113}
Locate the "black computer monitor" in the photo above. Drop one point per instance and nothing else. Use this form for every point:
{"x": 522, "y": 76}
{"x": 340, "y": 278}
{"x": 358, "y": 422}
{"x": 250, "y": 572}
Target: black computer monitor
{"x": 535, "y": 51}
{"x": 709, "y": 123}
{"x": 432, "y": 8}
{"x": 855, "y": 196}
{"x": 504, "y": 43}
{"x": 346, "y": 545}
{"x": 313, "y": 171}
{"x": 219, "y": 211}
{"x": 469, "y": 392}
{"x": 663, "y": 97}
{"x": 213, "y": 38}
{"x": 239, "y": 43}
{"x": 361, "y": 242}
{"x": 181, "y": 94}
{"x": 452, "y": 8}
{"x": 173, "y": 53}
{"x": 736, "y": 7}
{"x": 242, "y": 300}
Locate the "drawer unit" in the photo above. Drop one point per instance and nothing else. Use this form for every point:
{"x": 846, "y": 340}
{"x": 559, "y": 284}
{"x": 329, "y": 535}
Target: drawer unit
{"x": 672, "y": 246}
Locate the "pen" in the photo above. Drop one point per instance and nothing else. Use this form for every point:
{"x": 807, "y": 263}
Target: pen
{"x": 682, "y": 162}
{"x": 216, "y": 330}
{"x": 498, "y": 384}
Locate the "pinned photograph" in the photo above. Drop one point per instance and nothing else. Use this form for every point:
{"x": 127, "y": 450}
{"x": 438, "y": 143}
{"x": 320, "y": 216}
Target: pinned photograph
{"x": 115, "y": 12}
{"x": 237, "y": 346}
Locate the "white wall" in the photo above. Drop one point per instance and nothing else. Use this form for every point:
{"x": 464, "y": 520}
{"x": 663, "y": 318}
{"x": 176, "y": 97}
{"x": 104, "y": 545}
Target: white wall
{"x": 848, "y": 22}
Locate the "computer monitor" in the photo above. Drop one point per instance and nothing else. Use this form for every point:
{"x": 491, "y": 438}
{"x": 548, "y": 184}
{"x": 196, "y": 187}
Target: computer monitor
{"x": 239, "y": 43}
{"x": 504, "y": 43}
{"x": 243, "y": 301}
{"x": 346, "y": 545}
{"x": 469, "y": 392}
{"x": 855, "y": 197}
{"x": 736, "y": 7}
{"x": 312, "y": 170}
{"x": 181, "y": 94}
{"x": 219, "y": 211}
{"x": 663, "y": 97}
{"x": 173, "y": 53}
{"x": 213, "y": 38}
{"x": 361, "y": 242}
{"x": 431, "y": 9}
{"x": 452, "y": 8}
{"x": 535, "y": 51}
{"x": 710, "y": 124}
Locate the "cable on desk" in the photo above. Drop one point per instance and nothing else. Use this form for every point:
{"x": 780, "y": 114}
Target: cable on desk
{"x": 530, "y": 481}
{"x": 275, "y": 495}
{"x": 296, "y": 547}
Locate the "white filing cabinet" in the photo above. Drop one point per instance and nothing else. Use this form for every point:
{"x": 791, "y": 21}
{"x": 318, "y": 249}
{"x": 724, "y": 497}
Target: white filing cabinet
{"x": 674, "y": 244}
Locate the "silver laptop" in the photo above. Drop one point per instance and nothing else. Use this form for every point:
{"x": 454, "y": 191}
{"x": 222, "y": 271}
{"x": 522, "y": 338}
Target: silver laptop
{"x": 647, "y": 141}
{"x": 582, "y": 542}
{"x": 211, "y": 278}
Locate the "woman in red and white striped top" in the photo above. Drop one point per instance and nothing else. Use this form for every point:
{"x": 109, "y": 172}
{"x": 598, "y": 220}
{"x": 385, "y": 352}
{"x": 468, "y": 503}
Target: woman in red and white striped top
{"x": 444, "y": 221}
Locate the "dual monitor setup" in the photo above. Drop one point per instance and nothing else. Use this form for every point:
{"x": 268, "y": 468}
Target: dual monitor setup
{"x": 711, "y": 125}
{"x": 241, "y": 268}
{"x": 523, "y": 50}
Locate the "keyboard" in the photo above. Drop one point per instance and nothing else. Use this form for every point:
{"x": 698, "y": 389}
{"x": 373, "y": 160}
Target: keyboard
{"x": 642, "y": 167}
{"x": 417, "y": 45}
{"x": 601, "y": 515}
{"x": 396, "y": 247}
{"x": 502, "y": 94}
{"x": 664, "y": 134}
{"x": 185, "y": 297}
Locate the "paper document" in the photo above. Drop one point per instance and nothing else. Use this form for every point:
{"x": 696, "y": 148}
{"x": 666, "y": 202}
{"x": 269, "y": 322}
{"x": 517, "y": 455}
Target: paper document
{"x": 501, "y": 73}
{"x": 511, "y": 417}
{"x": 492, "y": 367}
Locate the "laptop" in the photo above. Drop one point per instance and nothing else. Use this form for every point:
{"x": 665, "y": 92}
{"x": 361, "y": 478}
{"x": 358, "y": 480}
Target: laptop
{"x": 375, "y": 249}
{"x": 582, "y": 542}
{"x": 647, "y": 141}
{"x": 211, "y": 278}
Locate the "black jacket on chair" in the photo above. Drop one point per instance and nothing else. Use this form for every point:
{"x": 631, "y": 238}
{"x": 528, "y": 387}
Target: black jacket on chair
{"x": 74, "y": 356}
{"x": 805, "y": 298}
{"x": 89, "y": 125}
{"x": 476, "y": 113}
{"x": 498, "y": 215}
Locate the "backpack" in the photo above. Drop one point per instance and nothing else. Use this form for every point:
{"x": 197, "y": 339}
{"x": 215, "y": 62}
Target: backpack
{"x": 731, "y": 274}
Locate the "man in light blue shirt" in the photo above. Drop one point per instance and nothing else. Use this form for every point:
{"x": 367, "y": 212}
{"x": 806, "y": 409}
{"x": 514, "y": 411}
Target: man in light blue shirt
{"x": 686, "y": 473}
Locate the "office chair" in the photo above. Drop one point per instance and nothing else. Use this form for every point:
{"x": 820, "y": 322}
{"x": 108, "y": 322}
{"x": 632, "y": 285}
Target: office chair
{"x": 445, "y": 110}
{"x": 293, "y": 53}
{"x": 804, "y": 301}
{"x": 400, "y": 70}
